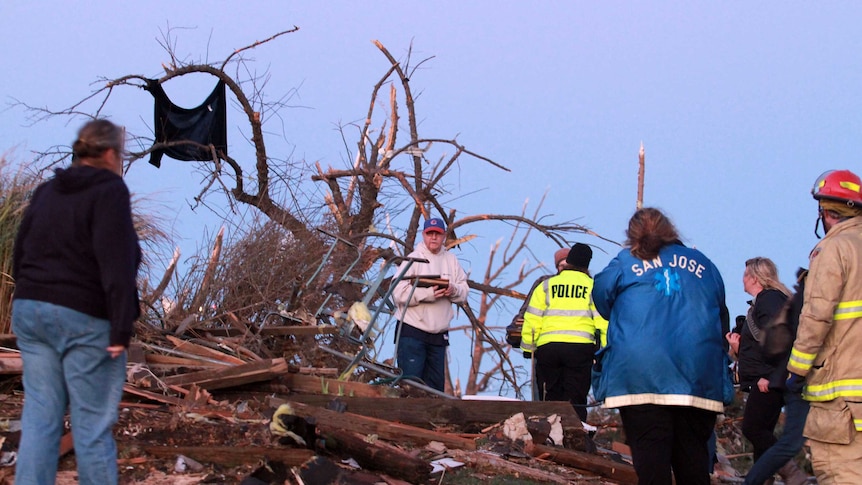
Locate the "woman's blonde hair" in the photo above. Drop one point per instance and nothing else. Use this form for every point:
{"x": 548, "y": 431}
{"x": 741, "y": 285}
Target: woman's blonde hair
{"x": 766, "y": 273}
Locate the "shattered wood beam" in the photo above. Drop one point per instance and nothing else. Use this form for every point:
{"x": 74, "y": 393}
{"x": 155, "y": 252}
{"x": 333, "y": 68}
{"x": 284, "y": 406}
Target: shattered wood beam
{"x": 375, "y": 454}
{"x": 230, "y": 376}
{"x": 330, "y": 388}
{"x": 189, "y": 393}
{"x": 10, "y": 363}
{"x": 176, "y": 352}
{"x": 236, "y": 323}
{"x": 425, "y": 411}
{"x": 159, "y": 359}
{"x": 489, "y": 463}
{"x": 209, "y": 273}
{"x": 203, "y": 351}
{"x": 315, "y": 371}
{"x": 169, "y": 369}
{"x": 229, "y": 455}
{"x": 299, "y": 330}
{"x": 387, "y": 430}
{"x": 166, "y": 278}
{"x": 620, "y": 472}
{"x": 67, "y": 444}
{"x": 152, "y": 396}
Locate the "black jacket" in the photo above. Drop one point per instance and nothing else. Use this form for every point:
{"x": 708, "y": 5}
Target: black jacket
{"x": 77, "y": 248}
{"x": 752, "y": 361}
{"x": 782, "y": 332}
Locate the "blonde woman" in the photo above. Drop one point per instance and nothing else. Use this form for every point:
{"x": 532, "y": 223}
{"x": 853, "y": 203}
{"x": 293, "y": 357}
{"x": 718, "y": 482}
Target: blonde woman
{"x": 763, "y": 405}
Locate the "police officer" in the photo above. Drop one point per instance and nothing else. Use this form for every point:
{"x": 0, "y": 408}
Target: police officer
{"x": 560, "y": 331}
{"x": 513, "y": 331}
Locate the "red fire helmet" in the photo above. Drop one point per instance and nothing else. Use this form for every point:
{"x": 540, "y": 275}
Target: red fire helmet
{"x": 840, "y": 185}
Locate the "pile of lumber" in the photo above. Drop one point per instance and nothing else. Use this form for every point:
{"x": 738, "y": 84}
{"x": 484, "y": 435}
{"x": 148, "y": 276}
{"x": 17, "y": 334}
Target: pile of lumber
{"x": 377, "y": 426}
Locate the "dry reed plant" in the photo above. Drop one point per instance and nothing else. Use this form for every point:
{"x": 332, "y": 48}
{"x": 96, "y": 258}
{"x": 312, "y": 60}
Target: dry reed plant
{"x": 16, "y": 184}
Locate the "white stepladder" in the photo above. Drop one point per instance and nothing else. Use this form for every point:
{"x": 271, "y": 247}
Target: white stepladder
{"x": 368, "y": 317}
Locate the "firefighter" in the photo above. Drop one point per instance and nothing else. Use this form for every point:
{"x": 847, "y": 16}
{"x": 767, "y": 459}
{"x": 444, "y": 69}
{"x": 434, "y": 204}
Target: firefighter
{"x": 560, "y": 332}
{"x": 824, "y": 362}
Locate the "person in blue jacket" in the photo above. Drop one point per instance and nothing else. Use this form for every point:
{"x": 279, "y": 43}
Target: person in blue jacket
{"x": 665, "y": 362}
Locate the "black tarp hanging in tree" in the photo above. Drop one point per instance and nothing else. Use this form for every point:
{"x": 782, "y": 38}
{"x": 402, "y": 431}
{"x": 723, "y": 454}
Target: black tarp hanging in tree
{"x": 205, "y": 124}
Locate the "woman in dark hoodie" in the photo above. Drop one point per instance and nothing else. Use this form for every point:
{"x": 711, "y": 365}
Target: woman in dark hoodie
{"x": 75, "y": 265}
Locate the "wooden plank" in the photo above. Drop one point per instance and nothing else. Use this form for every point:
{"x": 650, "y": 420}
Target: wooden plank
{"x": 230, "y": 455}
{"x": 11, "y": 364}
{"x": 622, "y": 473}
{"x": 140, "y": 405}
{"x": 299, "y": 330}
{"x": 221, "y": 378}
{"x": 383, "y": 428}
{"x": 136, "y": 353}
{"x": 160, "y": 369}
{"x": 425, "y": 412}
{"x": 152, "y": 396}
{"x": 375, "y": 455}
{"x": 160, "y": 359}
{"x": 67, "y": 444}
{"x": 329, "y": 388}
{"x": 203, "y": 351}
{"x": 494, "y": 465}
{"x": 315, "y": 371}
{"x": 236, "y": 323}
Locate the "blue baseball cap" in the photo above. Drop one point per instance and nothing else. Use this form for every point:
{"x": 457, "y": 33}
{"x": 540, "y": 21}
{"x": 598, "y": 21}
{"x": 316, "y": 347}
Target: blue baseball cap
{"x": 434, "y": 225}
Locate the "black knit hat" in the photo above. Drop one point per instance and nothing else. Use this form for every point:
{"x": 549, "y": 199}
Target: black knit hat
{"x": 580, "y": 256}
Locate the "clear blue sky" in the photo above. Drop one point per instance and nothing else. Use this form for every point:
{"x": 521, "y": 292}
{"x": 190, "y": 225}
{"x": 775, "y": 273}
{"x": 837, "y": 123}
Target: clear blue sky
{"x": 740, "y": 105}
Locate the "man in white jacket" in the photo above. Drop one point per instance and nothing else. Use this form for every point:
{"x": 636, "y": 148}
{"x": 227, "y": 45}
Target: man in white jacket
{"x": 424, "y": 312}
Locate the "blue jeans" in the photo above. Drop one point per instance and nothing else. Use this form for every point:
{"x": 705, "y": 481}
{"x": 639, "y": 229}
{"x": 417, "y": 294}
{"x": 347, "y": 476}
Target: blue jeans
{"x": 427, "y": 362}
{"x": 66, "y": 365}
{"x": 788, "y": 444}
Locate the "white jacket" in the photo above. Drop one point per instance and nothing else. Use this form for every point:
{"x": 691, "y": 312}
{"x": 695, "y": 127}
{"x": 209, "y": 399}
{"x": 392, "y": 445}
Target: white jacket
{"x": 423, "y": 311}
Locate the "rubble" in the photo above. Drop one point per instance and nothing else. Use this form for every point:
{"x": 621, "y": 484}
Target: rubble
{"x": 198, "y": 410}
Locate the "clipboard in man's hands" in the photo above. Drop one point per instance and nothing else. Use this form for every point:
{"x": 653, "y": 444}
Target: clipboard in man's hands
{"x": 425, "y": 281}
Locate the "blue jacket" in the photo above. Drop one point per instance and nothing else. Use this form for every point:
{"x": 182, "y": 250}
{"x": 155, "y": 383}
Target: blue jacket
{"x": 666, "y": 342}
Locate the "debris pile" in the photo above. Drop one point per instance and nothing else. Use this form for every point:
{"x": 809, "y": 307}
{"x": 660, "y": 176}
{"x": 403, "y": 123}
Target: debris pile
{"x": 202, "y": 404}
